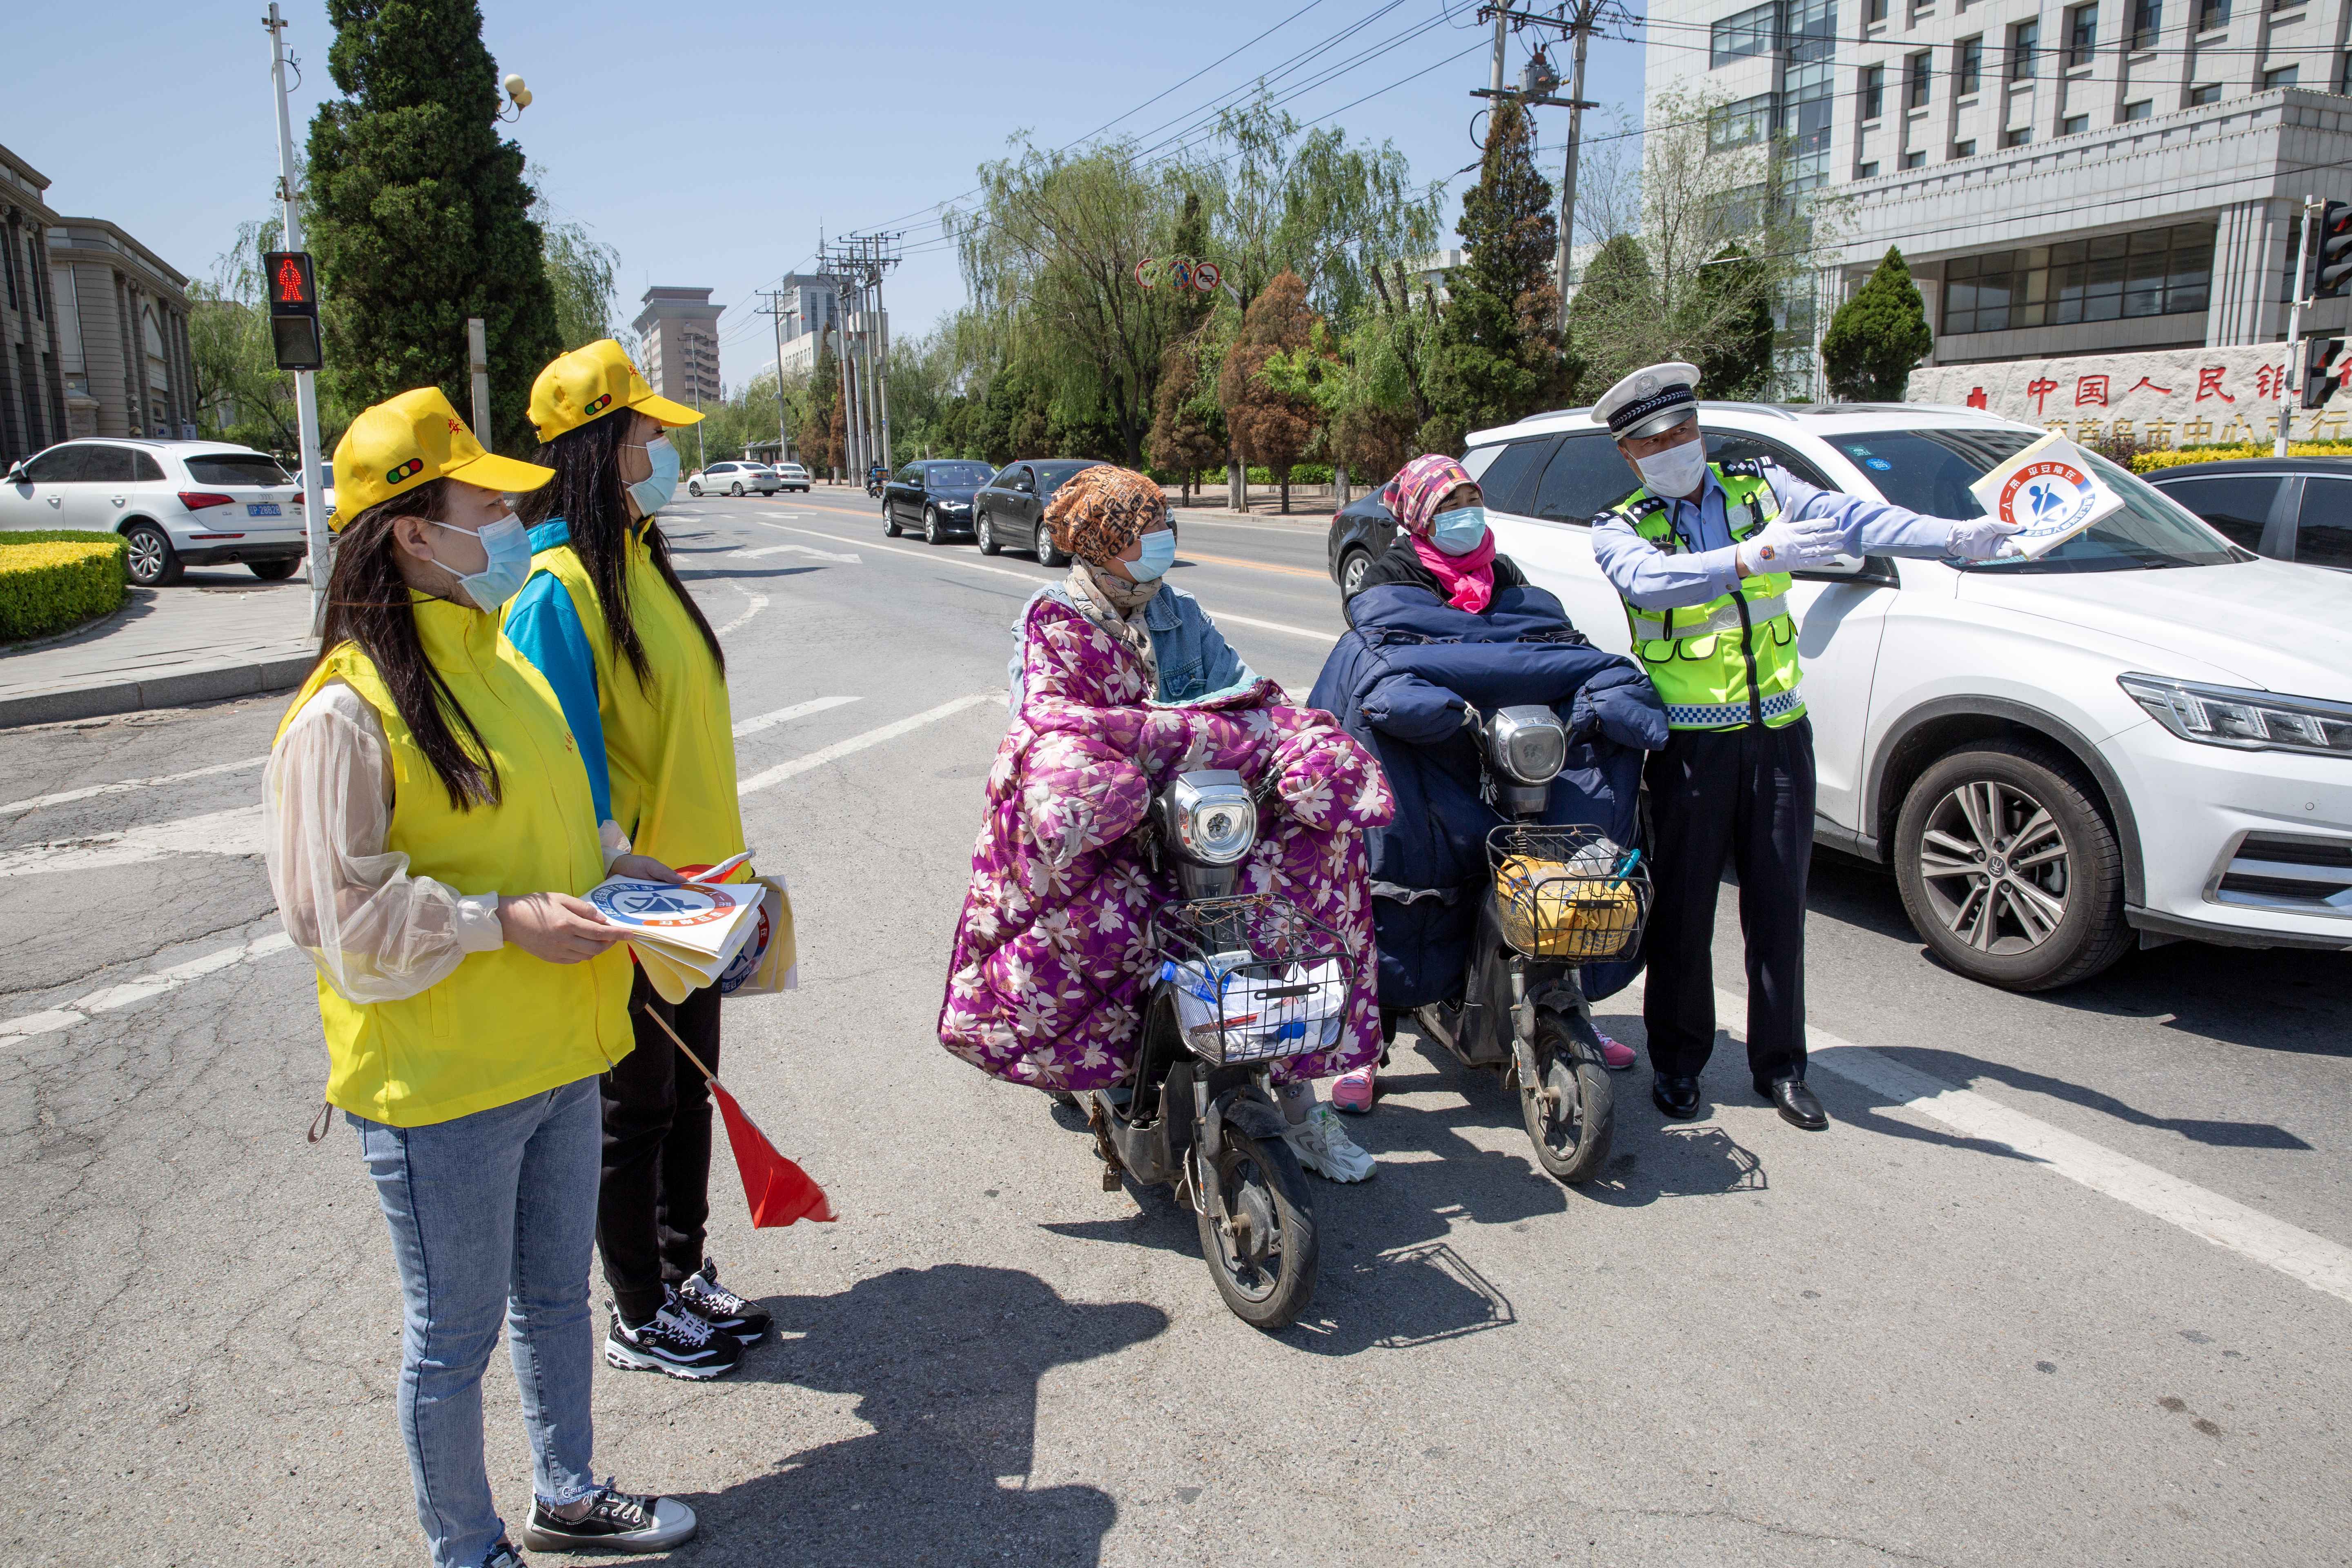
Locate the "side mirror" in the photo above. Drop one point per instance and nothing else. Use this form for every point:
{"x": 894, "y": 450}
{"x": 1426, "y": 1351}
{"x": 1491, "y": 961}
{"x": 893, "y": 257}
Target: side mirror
{"x": 1850, "y": 569}
{"x": 14, "y": 476}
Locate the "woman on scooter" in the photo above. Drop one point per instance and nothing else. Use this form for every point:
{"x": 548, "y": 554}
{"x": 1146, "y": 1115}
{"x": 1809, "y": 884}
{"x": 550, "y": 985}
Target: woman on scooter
{"x": 1475, "y": 623}
{"x": 1120, "y": 681}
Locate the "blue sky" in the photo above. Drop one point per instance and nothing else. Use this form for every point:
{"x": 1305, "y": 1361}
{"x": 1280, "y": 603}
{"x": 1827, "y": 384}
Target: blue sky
{"x": 708, "y": 142}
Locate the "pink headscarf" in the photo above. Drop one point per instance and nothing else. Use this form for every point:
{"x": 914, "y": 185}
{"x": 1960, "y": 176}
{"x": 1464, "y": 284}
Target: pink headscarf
{"x": 1413, "y": 498}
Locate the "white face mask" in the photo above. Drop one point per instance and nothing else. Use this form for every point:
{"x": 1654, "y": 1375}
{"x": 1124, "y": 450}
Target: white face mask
{"x": 1676, "y": 471}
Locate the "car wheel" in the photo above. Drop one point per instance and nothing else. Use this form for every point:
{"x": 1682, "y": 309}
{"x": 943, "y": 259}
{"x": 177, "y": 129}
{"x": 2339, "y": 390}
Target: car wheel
{"x": 984, "y": 532}
{"x": 932, "y": 532}
{"x": 273, "y": 571}
{"x": 1353, "y": 568}
{"x": 153, "y": 563}
{"x": 2008, "y": 869}
{"x": 735, "y": 489}
{"x": 1042, "y": 546}
{"x": 889, "y": 520}
{"x": 694, "y": 489}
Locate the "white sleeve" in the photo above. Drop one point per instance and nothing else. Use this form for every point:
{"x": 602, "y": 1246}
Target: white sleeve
{"x": 377, "y": 933}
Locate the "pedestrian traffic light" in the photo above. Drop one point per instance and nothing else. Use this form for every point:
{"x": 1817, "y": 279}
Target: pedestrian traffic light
{"x": 2322, "y": 369}
{"x": 2331, "y": 258}
{"x": 293, "y": 308}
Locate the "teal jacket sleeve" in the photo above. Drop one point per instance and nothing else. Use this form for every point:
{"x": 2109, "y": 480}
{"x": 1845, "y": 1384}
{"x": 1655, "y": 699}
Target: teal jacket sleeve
{"x": 545, "y": 630}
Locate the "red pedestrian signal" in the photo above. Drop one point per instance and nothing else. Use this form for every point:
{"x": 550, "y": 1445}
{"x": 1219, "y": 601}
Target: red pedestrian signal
{"x": 293, "y": 285}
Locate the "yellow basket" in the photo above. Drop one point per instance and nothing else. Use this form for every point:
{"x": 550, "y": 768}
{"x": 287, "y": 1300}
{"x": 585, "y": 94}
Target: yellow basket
{"x": 1549, "y": 911}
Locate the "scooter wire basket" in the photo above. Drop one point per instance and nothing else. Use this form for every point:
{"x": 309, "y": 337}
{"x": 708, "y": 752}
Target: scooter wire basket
{"x": 1567, "y": 893}
{"x": 1256, "y": 979}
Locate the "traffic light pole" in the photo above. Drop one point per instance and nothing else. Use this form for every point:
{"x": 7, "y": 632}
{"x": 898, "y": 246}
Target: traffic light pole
{"x": 305, "y": 389}
{"x": 2292, "y": 376}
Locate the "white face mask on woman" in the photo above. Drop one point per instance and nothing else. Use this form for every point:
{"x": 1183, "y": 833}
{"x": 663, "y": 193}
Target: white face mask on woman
{"x": 1676, "y": 471}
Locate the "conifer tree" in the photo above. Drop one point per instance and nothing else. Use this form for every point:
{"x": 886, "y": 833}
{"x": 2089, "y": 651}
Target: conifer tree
{"x": 1497, "y": 357}
{"x": 418, "y": 214}
{"x": 1271, "y": 422}
{"x": 823, "y": 392}
{"x": 1735, "y": 360}
{"x": 1878, "y": 337}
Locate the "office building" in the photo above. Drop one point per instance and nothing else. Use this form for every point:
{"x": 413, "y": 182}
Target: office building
{"x": 678, "y": 329}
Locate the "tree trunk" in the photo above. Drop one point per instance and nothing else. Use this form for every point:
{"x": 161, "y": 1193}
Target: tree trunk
{"x": 1236, "y": 476}
{"x": 1286, "y": 489}
{"x": 1340, "y": 494}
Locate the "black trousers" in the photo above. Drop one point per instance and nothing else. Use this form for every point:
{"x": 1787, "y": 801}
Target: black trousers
{"x": 655, "y": 1202}
{"x": 1745, "y": 796}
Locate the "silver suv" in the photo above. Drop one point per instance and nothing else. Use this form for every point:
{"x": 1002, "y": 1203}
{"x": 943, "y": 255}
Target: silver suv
{"x": 178, "y": 503}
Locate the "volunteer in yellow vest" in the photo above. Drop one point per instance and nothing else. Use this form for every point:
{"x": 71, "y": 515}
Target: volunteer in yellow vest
{"x": 1701, "y": 554}
{"x": 430, "y": 833}
{"x": 641, "y": 677}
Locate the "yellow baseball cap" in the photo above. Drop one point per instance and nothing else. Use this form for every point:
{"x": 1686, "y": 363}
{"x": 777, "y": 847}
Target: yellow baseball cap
{"x": 412, "y": 439}
{"x": 588, "y": 383}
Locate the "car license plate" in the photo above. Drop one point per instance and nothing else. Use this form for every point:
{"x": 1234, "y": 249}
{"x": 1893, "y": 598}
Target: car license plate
{"x": 262, "y": 508}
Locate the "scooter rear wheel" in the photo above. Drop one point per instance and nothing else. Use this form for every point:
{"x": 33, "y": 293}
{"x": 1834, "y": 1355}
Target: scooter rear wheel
{"x": 1258, "y": 1239}
{"x": 1570, "y": 1113}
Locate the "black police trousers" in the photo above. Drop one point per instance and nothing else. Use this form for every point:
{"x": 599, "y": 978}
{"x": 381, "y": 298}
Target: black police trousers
{"x": 1743, "y": 797}
{"x": 654, "y": 1200}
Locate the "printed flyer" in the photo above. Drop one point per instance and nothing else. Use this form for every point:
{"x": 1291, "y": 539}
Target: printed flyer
{"x": 2050, "y": 490}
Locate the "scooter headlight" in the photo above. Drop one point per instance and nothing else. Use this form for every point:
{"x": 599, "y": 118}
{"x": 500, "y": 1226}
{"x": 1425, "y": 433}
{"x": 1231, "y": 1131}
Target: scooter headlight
{"x": 1214, "y": 819}
{"x": 1528, "y": 743}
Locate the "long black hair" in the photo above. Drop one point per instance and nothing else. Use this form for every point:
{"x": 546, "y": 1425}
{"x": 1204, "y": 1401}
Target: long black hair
{"x": 587, "y": 494}
{"x": 368, "y": 605}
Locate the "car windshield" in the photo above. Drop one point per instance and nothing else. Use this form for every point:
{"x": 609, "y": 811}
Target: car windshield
{"x": 1930, "y": 471}
{"x": 1051, "y": 475}
{"x": 236, "y": 468}
{"x": 959, "y": 475}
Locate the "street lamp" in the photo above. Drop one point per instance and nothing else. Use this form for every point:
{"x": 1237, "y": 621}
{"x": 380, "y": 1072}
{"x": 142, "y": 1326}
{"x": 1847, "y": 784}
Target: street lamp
{"x": 518, "y": 97}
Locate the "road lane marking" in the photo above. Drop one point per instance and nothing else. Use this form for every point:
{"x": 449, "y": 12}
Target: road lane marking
{"x": 125, "y": 786}
{"x": 156, "y": 983}
{"x": 1257, "y": 566}
{"x": 233, "y": 832}
{"x": 1223, "y": 618}
{"x": 850, "y": 558}
{"x": 760, "y": 721}
{"x": 759, "y": 601}
{"x": 840, "y": 748}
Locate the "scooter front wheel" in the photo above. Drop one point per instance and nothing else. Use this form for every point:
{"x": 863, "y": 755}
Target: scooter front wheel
{"x": 1571, "y": 1109}
{"x": 1258, "y": 1236}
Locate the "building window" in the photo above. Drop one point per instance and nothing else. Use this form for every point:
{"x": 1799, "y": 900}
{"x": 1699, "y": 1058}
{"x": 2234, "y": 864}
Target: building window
{"x": 2017, "y": 137}
{"x": 2024, "y": 44}
{"x": 1738, "y": 38}
{"x": 1912, "y": 159}
{"x": 1741, "y": 123}
{"x": 2154, "y": 272}
{"x": 8, "y": 266}
{"x": 1874, "y": 12}
{"x": 2212, "y": 14}
{"x": 2074, "y": 125}
{"x": 2283, "y": 77}
{"x": 1964, "y": 148}
{"x": 2344, "y": 78}
{"x": 1873, "y": 92}
{"x": 2139, "y": 111}
{"x": 1967, "y": 66}
{"x": 1917, "y": 72}
{"x": 1868, "y": 171}
{"x": 2209, "y": 93}
{"x": 2147, "y": 20}
{"x": 1808, "y": 83}
{"x": 2081, "y": 35}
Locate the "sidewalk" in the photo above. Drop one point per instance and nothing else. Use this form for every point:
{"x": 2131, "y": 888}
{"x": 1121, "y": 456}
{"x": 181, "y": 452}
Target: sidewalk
{"x": 215, "y": 634}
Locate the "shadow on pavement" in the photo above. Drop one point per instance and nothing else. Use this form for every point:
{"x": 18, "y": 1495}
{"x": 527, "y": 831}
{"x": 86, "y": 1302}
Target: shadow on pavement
{"x": 1954, "y": 1067}
{"x": 945, "y": 1362}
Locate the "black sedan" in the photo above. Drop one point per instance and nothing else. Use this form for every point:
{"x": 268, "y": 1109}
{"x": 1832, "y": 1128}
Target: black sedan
{"x": 1360, "y": 531}
{"x": 2290, "y": 509}
{"x": 1011, "y": 506}
{"x": 934, "y": 494}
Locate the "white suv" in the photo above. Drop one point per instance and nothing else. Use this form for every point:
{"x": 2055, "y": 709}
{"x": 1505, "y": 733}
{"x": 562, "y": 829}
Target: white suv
{"x": 2147, "y": 729}
{"x": 178, "y": 503}
{"x": 733, "y": 479}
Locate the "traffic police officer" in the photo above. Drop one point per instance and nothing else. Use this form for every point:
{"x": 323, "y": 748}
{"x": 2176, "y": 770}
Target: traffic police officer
{"x": 1702, "y": 554}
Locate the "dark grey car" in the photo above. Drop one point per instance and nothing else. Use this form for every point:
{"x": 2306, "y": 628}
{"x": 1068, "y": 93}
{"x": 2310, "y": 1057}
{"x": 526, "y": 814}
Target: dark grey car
{"x": 934, "y": 494}
{"x": 1010, "y": 510}
{"x": 2289, "y": 508}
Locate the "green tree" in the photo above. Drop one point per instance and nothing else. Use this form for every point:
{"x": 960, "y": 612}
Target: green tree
{"x": 1497, "y": 357}
{"x": 1878, "y": 337}
{"x": 1734, "y": 358}
{"x": 582, "y": 271}
{"x": 816, "y": 431}
{"x": 1266, "y": 391}
{"x": 1613, "y": 318}
{"x": 1187, "y": 428}
{"x": 419, "y": 215}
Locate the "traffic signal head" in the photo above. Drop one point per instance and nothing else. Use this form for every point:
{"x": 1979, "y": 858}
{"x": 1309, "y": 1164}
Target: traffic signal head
{"x": 296, "y": 341}
{"x": 293, "y": 285}
{"x": 2323, "y": 366}
{"x": 2331, "y": 258}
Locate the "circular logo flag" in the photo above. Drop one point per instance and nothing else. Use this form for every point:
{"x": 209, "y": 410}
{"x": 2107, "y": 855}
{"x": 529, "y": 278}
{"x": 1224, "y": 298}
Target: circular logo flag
{"x": 660, "y": 905}
{"x": 2047, "y": 498}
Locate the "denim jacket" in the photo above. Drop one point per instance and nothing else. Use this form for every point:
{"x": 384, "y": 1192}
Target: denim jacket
{"x": 1195, "y": 661}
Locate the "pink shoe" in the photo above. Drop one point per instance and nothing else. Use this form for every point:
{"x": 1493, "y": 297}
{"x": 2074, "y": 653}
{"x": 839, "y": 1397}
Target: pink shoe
{"x": 1354, "y": 1093}
{"x": 1614, "y": 1055}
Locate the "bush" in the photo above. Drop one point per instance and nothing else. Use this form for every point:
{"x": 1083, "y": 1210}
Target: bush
{"x": 2176, "y": 457}
{"x": 50, "y": 579}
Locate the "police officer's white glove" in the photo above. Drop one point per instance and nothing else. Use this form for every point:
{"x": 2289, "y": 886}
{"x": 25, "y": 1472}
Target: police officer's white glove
{"x": 1789, "y": 544}
{"x": 1980, "y": 538}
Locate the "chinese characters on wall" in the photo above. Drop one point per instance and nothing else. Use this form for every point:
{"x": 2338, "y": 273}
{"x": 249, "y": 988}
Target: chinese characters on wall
{"x": 2174, "y": 397}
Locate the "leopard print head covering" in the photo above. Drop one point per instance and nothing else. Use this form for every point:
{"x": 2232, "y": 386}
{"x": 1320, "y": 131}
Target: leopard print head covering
{"x": 1100, "y": 512}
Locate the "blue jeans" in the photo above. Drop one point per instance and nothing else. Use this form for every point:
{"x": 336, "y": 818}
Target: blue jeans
{"x": 492, "y": 1213}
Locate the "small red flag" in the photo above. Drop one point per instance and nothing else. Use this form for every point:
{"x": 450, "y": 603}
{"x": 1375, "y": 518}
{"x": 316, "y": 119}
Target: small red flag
{"x": 778, "y": 1191}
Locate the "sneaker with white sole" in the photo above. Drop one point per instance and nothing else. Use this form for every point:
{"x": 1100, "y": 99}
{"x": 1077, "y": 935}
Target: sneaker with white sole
{"x": 615, "y": 1521}
{"x": 504, "y": 1555}
{"x": 730, "y": 1314}
{"x": 1323, "y": 1146}
{"x": 676, "y": 1342}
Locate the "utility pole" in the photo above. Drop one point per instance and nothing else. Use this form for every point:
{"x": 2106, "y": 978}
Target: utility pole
{"x": 306, "y": 390}
{"x": 841, "y": 362}
{"x": 1577, "y": 19}
{"x": 477, "y": 361}
{"x": 775, "y": 308}
{"x": 1502, "y": 17}
{"x": 856, "y": 264}
{"x": 2289, "y": 379}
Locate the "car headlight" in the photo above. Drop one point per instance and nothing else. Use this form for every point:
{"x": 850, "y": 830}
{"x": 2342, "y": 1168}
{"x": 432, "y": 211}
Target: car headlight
{"x": 954, "y": 505}
{"x": 1530, "y": 744}
{"x": 2246, "y": 720}
{"x": 1215, "y": 819}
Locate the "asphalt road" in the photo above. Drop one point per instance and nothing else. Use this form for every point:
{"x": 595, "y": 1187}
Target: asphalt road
{"x": 2068, "y": 1283}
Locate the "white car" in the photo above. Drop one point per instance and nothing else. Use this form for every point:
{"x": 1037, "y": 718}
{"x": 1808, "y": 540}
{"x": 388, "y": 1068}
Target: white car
{"x": 792, "y": 477}
{"x": 732, "y": 479}
{"x": 178, "y": 503}
{"x": 2147, "y": 730}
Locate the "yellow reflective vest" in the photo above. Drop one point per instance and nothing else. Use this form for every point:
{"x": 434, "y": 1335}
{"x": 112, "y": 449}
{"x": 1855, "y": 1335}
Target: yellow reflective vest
{"x": 503, "y": 1025}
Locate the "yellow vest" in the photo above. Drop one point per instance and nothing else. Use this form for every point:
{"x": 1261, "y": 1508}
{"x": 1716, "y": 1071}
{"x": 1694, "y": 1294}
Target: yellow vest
{"x": 504, "y": 1026}
{"x": 670, "y": 742}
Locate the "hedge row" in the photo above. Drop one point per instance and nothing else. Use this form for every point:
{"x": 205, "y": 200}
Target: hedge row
{"x": 52, "y": 578}
{"x": 2174, "y": 458}
{"x": 1302, "y": 474}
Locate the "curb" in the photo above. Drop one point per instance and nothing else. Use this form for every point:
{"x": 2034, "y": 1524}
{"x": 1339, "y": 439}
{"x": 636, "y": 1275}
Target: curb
{"x": 176, "y": 691}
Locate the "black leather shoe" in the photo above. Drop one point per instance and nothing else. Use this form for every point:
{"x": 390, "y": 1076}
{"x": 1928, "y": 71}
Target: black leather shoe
{"x": 1676, "y": 1095}
{"x": 1798, "y": 1107}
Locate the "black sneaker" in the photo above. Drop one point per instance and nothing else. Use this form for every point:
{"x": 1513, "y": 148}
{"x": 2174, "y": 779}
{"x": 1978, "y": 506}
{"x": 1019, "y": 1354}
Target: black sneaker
{"x": 676, "y": 1341}
{"x": 616, "y": 1523}
{"x": 722, "y": 1308}
{"x": 504, "y": 1555}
